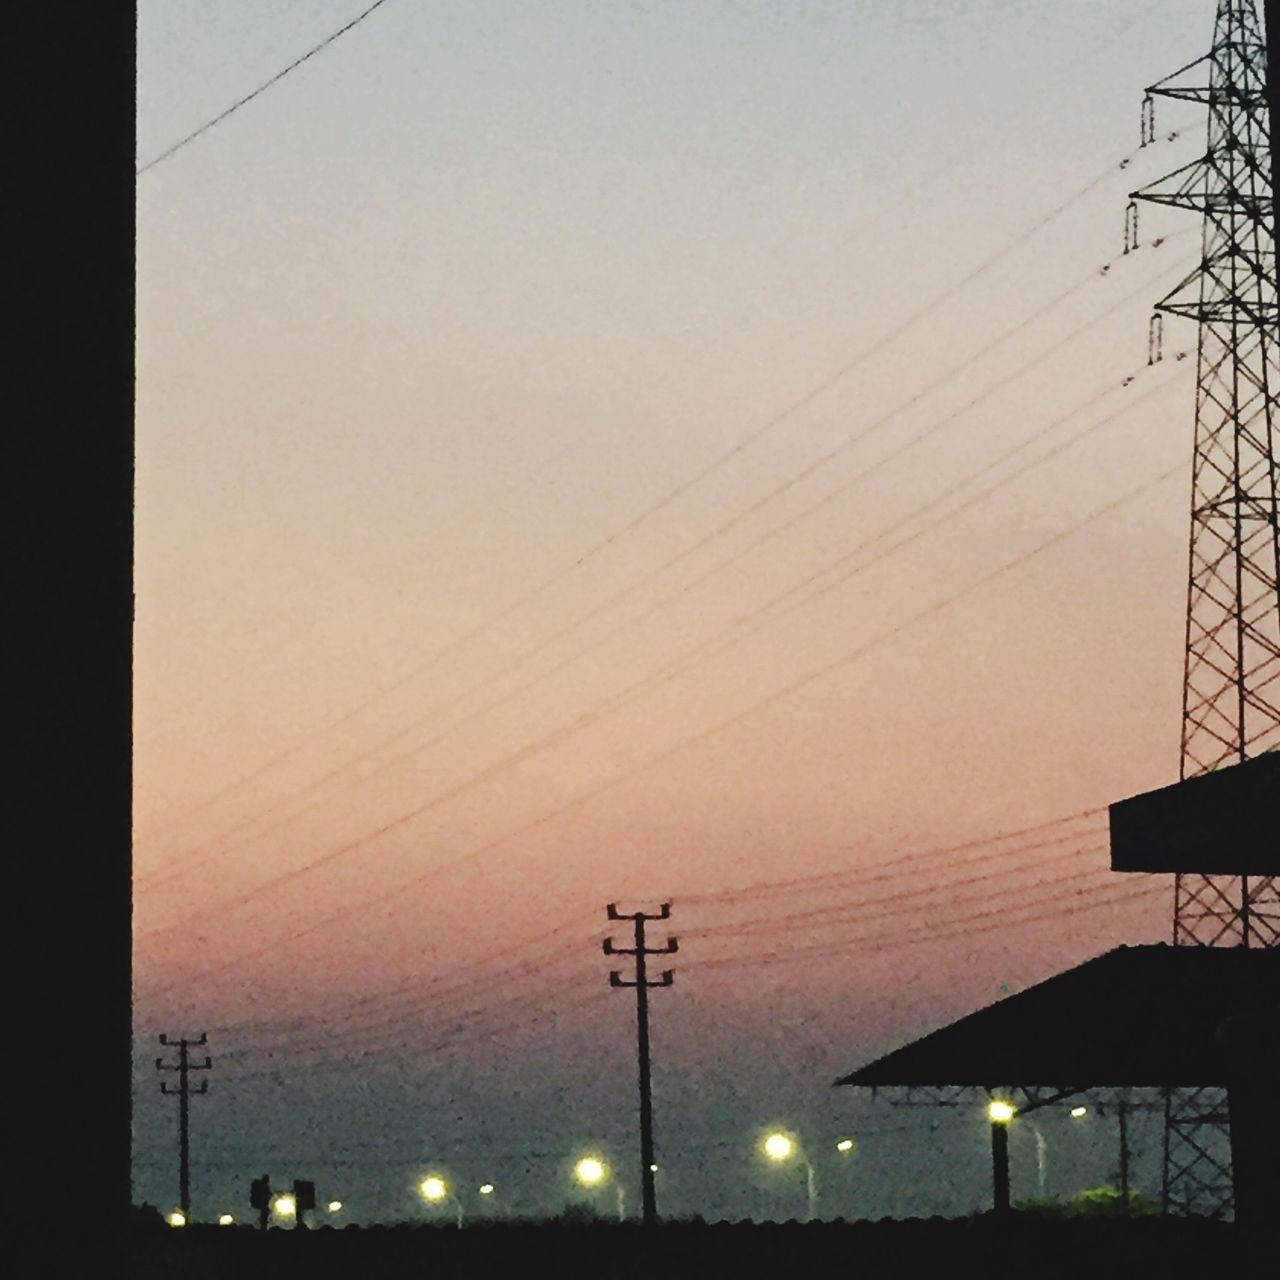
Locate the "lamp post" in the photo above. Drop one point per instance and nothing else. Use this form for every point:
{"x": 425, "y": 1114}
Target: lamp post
{"x": 781, "y": 1147}
{"x": 1000, "y": 1113}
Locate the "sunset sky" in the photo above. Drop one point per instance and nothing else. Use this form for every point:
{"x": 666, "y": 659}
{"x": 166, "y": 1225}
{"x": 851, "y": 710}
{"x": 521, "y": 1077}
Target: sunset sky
{"x": 593, "y": 451}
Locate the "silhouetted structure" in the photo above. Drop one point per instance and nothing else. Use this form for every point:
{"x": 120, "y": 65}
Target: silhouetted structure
{"x": 1231, "y": 688}
{"x": 1136, "y": 1016}
{"x": 1231, "y": 703}
{"x": 642, "y": 985}
{"x": 184, "y": 1066}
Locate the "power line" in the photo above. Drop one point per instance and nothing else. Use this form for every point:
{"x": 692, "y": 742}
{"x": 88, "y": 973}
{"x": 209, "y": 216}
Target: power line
{"x": 671, "y": 496}
{"x": 668, "y": 563}
{"x": 860, "y": 910}
{"x": 416, "y": 994}
{"x": 262, "y": 88}
{"x": 981, "y": 921}
{"x": 802, "y": 682}
{"x": 977, "y": 922}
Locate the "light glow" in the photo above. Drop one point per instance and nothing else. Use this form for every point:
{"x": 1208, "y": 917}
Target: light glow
{"x": 177, "y": 1218}
{"x": 1001, "y": 1112}
{"x": 487, "y": 1189}
{"x": 589, "y": 1171}
{"x": 1078, "y": 1113}
{"x": 226, "y": 1220}
{"x": 777, "y": 1146}
{"x": 434, "y": 1188}
{"x": 846, "y": 1145}
{"x": 285, "y": 1206}
{"x": 335, "y": 1205}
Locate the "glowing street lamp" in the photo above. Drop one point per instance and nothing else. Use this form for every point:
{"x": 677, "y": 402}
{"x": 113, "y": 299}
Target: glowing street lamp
{"x": 846, "y": 1146}
{"x": 177, "y": 1218}
{"x": 334, "y": 1206}
{"x": 226, "y": 1220}
{"x": 780, "y": 1147}
{"x": 435, "y": 1190}
{"x": 1000, "y": 1112}
{"x": 486, "y": 1189}
{"x": 777, "y": 1146}
{"x": 285, "y": 1206}
{"x": 1079, "y": 1113}
{"x": 592, "y": 1172}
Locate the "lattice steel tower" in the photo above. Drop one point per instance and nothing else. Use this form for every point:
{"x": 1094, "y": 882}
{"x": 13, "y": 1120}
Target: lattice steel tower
{"x": 1231, "y": 690}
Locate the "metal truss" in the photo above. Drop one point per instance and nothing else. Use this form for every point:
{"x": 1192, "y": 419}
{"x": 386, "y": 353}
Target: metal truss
{"x": 1231, "y": 687}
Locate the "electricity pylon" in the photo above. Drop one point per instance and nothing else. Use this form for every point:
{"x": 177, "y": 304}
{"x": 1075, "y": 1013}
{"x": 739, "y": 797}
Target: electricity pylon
{"x": 1231, "y": 688}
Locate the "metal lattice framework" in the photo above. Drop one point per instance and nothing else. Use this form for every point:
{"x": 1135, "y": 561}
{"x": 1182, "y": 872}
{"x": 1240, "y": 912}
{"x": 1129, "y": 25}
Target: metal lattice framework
{"x": 1231, "y": 691}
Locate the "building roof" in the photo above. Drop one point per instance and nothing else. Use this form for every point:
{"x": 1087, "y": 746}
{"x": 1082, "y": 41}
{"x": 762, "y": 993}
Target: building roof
{"x": 1149, "y": 1015}
{"x": 1219, "y": 823}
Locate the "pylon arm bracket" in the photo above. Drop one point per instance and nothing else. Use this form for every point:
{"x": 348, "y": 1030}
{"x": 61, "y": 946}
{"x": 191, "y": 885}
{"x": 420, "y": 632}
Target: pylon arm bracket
{"x": 664, "y": 913}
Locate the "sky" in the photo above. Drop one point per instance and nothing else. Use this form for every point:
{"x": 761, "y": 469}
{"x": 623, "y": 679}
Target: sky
{"x": 599, "y": 452}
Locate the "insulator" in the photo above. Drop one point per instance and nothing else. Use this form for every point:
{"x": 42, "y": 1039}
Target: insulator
{"x": 1131, "y": 226}
{"x": 1155, "y": 339}
{"x": 1148, "y": 120}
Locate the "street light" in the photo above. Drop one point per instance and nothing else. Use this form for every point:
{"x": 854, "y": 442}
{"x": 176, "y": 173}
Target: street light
{"x": 285, "y": 1206}
{"x": 1079, "y": 1113}
{"x": 591, "y": 1172}
{"x": 226, "y": 1220}
{"x": 334, "y": 1206}
{"x": 435, "y": 1190}
{"x": 486, "y": 1189}
{"x": 780, "y": 1147}
{"x": 177, "y": 1218}
{"x": 1001, "y": 1114}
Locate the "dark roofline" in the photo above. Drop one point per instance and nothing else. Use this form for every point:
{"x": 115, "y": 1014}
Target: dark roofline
{"x": 1148, "y": 1015}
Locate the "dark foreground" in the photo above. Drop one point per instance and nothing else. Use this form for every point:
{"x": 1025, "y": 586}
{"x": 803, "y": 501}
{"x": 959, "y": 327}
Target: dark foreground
{"x": 1016, "y": 1247}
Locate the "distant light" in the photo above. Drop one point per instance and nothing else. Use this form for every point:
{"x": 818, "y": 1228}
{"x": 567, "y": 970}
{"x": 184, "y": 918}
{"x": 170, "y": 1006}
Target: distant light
{"x": 1078, "y": 1113}
{"x": 434, "y": 1188}
{"x": 487, "y": 1189}
{"x": 177, "y": 1218}
{"x": 1001, "y": 1112}
{"x": 285, "y": 1206}
{"x": 846, "y": 1144}
{"x": 335, "y": 1205}
{"x": 226, "y": 1220}
{"x": 589, "y": 1171}
{"x": 653, "y": 1168}
{"x": 777, "y": 1146}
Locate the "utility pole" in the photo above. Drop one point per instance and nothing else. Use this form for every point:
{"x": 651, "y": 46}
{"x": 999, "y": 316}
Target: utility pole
{"x": 642, "y": 985}
{"x": 183, "y": 1067}
{"x": 1230, "y": 713}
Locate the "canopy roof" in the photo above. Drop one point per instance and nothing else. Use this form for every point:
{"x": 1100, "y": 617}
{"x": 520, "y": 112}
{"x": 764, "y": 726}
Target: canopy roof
{"x": 1149, "y": 1015}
